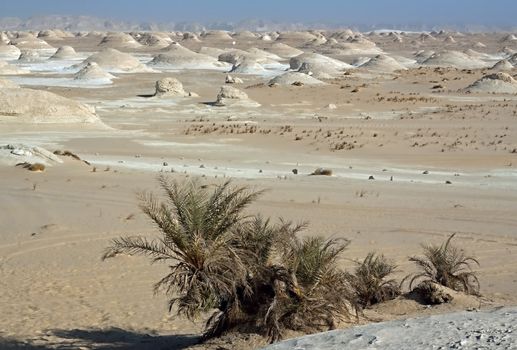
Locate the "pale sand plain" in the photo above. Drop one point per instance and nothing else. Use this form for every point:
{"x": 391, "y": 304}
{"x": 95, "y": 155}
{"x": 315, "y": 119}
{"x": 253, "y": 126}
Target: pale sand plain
{"x": 413, "y": 130}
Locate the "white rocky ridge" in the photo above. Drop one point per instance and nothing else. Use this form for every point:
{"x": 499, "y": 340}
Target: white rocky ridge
{"x": 13, "y": 154}
{"x": 491, "y": 329}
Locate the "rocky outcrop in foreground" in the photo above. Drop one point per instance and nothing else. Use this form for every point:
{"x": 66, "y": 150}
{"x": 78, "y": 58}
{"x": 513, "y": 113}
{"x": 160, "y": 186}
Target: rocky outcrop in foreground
{"x": 492, "y": 329}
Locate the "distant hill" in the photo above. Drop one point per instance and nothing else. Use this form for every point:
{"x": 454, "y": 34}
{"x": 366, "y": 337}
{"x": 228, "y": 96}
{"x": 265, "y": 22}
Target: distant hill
{"x": 88, "y": 23}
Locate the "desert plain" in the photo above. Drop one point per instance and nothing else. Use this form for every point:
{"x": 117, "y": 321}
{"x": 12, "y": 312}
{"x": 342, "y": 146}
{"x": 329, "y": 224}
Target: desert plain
{"x": 419, "y": 131}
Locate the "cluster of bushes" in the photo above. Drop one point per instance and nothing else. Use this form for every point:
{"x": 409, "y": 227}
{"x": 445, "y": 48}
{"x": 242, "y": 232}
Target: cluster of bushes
{"x": 260, "y": 276}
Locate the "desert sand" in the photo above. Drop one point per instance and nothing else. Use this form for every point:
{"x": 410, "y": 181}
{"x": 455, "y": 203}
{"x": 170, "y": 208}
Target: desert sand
{"x": 420, "y": 132}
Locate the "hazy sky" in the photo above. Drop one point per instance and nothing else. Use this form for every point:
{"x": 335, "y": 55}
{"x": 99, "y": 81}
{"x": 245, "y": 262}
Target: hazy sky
{"x": 487, "y": 12}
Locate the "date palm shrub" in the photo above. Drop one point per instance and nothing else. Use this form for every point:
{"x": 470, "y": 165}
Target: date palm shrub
{"x": 447, "y": 265}
{"x": 371, "y": 282}
{"x": 249, "y": 273}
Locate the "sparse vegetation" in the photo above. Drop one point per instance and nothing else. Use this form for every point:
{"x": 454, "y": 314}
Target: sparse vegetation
{"x": 67, "y": 154}
{"x": 446, "y": 265}
{"x": 259, "y": 276}
{"x": 371, "y": 282}
{"x": 37, "y": 167}
{"x": 322, "y": 172}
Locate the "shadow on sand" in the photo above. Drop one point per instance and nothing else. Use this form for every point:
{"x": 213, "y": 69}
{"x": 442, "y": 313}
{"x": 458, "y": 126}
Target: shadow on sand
{"x": 112, "y": 338}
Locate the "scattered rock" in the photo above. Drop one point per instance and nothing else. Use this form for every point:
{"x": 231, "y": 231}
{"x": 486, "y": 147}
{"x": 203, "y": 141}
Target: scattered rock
{"x": 432, "y": 293}
{"x": 233, "y": 80}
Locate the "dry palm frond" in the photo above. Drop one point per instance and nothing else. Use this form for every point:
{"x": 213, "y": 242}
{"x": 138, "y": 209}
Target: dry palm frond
{"x": 447, "y": 265}
{"x": 370, "y": 282}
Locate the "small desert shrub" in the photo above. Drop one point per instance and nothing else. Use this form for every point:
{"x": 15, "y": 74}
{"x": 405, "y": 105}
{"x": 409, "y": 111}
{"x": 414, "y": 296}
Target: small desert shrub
{"x": 36, "y": 167}
{"x": 32, "y": 167}
{"x": 258, "y": 276}
{"x": 67, "y": 154}
{"x": 322, "y": 171}
{"x": 370, "y": 280}
{"x": 447, "y": 265}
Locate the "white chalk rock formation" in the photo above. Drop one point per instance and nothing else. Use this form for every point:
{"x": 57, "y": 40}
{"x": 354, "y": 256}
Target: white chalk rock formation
{"x": 290, "y": 78}
{"x": 34, "y": 106}
{"x": 9, "y": 52}
{"x": 178, "y": 57}
{"x": 93, "y": 73}
{"x": 64, "y": 53}
{"x": 502, "y": 66}
{"x": 170, "y": 87}
{"x": 494, "y": 83}
{"x": 118, "y": 40}
{"x": 383, "y": 64}
{"x": 113, "y": 60}
{"x": 454, "y": 59}
{"x": 247, "y": 67}
{"x": 229, "y": 96}
{"x": 284, "y": 50}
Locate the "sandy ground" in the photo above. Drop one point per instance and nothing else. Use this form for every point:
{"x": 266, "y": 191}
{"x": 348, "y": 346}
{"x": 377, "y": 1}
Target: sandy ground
{"x": 57, "y": 293}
